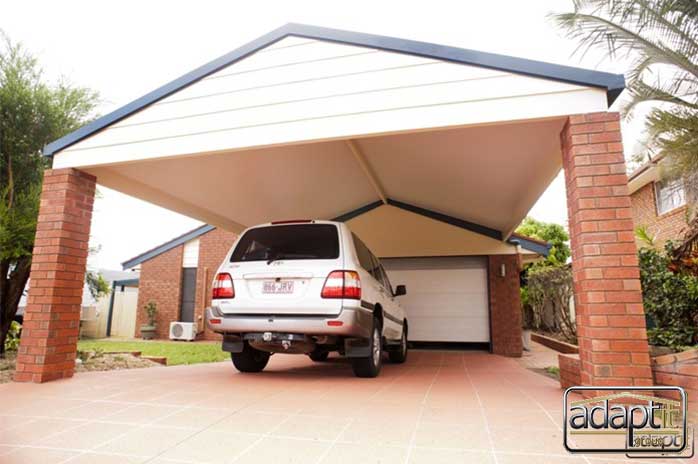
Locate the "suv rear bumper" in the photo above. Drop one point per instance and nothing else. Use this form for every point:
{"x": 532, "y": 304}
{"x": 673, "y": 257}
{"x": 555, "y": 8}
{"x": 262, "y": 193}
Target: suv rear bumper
{"x": 355, "y": 322}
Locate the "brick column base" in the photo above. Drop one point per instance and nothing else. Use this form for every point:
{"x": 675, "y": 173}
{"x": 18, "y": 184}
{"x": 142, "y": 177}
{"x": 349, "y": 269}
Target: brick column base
{"x": 613, "y": 347}
{"x": 52, "y": 317}
{"x": 505, "y": 305}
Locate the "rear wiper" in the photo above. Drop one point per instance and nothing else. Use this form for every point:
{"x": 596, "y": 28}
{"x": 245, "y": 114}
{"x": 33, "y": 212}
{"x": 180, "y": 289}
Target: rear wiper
{"x": 274, "y": 258}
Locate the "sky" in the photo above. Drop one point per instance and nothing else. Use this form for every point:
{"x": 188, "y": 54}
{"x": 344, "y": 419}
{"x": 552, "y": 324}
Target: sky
{"x": 127, "y": 48}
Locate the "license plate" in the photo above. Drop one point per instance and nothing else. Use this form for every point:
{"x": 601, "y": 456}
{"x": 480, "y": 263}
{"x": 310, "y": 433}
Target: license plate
{"x": 274, "y": 287}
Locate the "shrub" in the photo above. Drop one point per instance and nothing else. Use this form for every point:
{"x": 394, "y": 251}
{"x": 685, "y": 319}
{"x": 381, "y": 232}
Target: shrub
{"x": 670, "y": 299}
{"x": 12, "y": 340}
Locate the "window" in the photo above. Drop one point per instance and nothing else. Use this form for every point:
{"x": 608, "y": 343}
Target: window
{"x": 307, "y": 241}
{"x": 370, "y": 262}
{"x": 669, "y": 195}
{"x": 363, "y": 254}
{"x": 190, "y": 254}
{"x": 386, "y": 281}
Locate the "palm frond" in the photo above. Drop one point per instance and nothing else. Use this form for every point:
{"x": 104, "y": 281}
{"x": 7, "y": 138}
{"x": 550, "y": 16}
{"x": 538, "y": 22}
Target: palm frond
{"x": 641, "y": 92}
{"x": 660, "y": 37}
{"x": 594, "y": 31}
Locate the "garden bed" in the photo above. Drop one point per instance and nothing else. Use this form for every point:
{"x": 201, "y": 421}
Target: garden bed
{"x": 554, "y": 343}
{"x": 89, "y": 362}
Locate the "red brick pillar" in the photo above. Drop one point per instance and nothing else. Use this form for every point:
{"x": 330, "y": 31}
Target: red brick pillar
{"x": 505, "y": 305}
{"x": 610, "y": 318}
{"x": 52, "y": 316}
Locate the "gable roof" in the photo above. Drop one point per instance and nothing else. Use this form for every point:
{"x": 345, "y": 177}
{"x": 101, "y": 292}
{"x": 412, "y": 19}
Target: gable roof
{"x": 536, "y": 246}
{"x": 527, "y": 243}
{"x": 531, "y": 244}
{"x": 612, "y": 83}
{"x": 160, "y": 249}
{"x": 645, "y": 174}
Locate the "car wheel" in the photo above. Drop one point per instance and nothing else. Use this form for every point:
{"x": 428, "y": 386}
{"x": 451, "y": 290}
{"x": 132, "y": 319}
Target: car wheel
{"x": 319, "y": 355}
{"x": 370, "y": 366}
{"x": 399, "y": 354}
{"x": 250, "y": 359}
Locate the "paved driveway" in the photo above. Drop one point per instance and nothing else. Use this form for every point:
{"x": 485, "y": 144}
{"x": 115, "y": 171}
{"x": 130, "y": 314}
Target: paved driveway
{"x": 438, "y": 407}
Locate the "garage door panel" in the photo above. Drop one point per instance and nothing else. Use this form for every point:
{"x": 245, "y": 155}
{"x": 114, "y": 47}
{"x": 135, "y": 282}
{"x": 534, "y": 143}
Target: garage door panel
{"x": 469, "y": 280}
{"x": 446, "y": 297}
{"x": 437, "y": 305}
{"x": 451, "y": 330}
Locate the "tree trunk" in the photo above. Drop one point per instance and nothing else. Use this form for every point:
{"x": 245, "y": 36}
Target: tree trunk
{"x": 3, "y": 338}
{"x": 12, "y": 286}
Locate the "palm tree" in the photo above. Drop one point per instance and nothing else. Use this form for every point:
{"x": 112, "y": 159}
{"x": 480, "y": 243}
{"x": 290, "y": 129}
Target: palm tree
{"x": 661, "y": 39}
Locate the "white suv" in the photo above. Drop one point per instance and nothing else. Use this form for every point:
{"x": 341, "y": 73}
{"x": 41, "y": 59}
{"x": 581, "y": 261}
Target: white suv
{"x": 306, "y": 287}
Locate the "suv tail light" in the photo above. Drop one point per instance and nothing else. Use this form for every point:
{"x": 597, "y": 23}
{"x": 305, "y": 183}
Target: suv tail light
{"x": 342, "y": 284}
{"x": 223, "y": 286}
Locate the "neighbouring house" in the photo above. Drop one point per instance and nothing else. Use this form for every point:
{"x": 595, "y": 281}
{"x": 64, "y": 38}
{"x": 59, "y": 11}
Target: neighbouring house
{"x": 110, "y": 315}
{"x": 177, "y": 276}
{"x": 658, "y": 205}
{"x": 113, "y": 315}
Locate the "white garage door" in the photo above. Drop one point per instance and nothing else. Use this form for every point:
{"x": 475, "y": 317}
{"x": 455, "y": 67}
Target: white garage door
{"x": 446, "y": 298}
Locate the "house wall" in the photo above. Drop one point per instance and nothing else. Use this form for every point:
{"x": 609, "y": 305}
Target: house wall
{"x": 161, "y": 282}
{"x": 213, "y": 247}
{"x": 505, "y": 305}
{"x": 668, "y": 226}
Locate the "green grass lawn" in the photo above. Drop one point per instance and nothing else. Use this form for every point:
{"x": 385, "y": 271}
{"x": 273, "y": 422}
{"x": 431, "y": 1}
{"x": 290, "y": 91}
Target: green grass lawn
{"x": 176, "y": 352}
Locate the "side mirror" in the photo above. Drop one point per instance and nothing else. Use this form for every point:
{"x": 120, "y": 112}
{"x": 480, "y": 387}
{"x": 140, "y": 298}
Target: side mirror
{"x": 400, "y": 290}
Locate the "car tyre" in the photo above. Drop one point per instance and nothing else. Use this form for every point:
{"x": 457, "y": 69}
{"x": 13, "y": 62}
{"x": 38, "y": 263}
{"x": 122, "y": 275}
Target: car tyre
{"x": 319, "y": 355}
{"x": 399, "y": 354}
{"x": 370, "y": 366}
{"x": 250, "y": 359}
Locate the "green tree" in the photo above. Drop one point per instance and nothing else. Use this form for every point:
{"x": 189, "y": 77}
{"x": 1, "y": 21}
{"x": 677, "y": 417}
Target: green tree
{"x": 549, "y": 232}
{"x": 661, "y": 39}
{"x": 32, "y": 113}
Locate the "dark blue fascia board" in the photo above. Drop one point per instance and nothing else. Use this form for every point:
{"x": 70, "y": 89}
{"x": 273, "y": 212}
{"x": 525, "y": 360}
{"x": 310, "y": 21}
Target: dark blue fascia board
{"x": 167, "y": 246}
{"x": 126, "y": 283}
{"x": 612, "y": 83}
{"x": 531, "y": 245}
{"x": 357, "y": 212}
{"x": 467, "y": 225}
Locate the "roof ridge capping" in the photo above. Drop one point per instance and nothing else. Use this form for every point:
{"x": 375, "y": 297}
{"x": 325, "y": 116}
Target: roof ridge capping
{"x": 613, "y": 83}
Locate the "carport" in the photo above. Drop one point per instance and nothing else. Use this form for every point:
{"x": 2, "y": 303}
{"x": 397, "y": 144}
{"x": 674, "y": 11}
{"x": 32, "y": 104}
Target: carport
{"x": 431, "y": 154}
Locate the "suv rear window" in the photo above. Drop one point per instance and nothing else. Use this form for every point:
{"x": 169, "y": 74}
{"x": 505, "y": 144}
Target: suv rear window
{"x": 307, "y": 241}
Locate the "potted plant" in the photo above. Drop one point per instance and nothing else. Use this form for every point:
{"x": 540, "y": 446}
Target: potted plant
{"x": 148, "y": 330}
